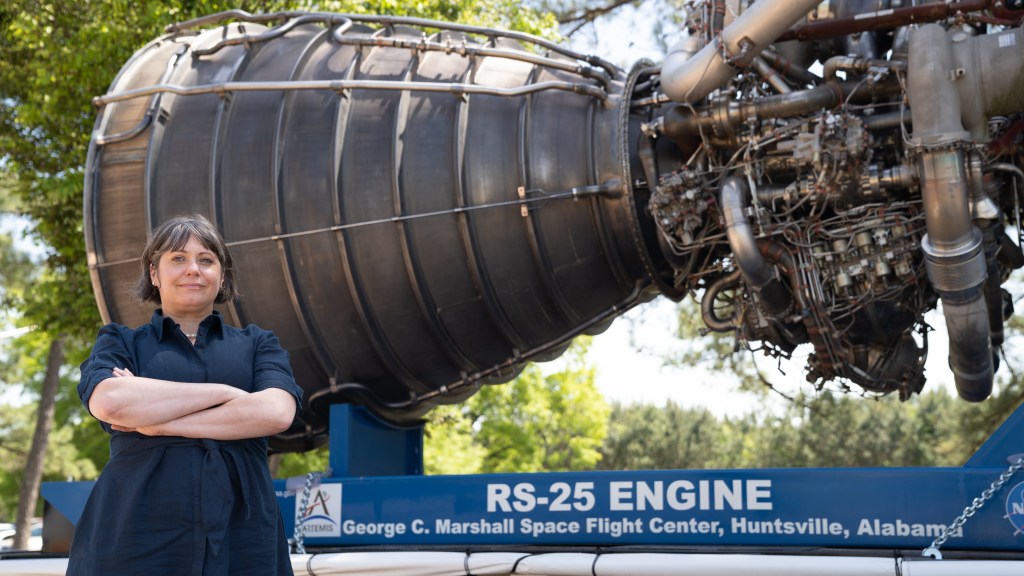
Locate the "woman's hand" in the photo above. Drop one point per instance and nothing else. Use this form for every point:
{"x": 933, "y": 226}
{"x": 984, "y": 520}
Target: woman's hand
{"x": 122, "y": 373}
{"x": 144, "y": 430}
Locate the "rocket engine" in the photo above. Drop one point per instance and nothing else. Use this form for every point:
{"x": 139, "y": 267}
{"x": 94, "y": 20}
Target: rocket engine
{"x": 418, "y": 208}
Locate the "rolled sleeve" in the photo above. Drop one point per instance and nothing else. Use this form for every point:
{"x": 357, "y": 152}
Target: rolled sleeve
{"x": 108, "y": 352}
{"x": 272, "y": 369}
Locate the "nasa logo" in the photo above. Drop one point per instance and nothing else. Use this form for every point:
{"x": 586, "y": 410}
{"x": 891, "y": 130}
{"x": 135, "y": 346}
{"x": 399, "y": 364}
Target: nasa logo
{"x": 1015, "y": 508}
{"x": 322, "y": 516}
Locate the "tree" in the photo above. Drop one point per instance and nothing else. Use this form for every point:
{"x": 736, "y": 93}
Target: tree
{"x": 537, "y": 422}
{"x": 25, "y": 445}
{"x": 823, "y": 430}
{"x": 449, "y": 446}
{"x": 17, "y": 424}
{"x": 648, "y": 437}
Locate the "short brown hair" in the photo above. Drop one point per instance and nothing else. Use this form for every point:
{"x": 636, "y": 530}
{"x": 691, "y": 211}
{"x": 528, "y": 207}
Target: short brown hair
{"x": 173, "y": 235}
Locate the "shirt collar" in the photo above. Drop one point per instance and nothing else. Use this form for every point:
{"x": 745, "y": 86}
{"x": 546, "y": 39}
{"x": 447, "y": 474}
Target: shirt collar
{"x": 164, "y": 325}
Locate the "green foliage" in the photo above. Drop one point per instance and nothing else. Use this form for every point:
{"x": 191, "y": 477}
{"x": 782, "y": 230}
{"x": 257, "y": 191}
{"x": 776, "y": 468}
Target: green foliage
{"x": 825, "y": 430}
{"x": 537, "y": 422}
{"x": 301, "y": 463}
{"x": 534, "y": 423}
{"x": 16, "y": 269}
{"x": 448, "y": 443}
{"x": 8, "y": 200}
{"x": 647, "y": 437}
{"x": 503, "y": 14}
{"x": 16, "y": 428}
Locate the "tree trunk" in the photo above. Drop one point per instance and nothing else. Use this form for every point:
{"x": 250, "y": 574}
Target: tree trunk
{"x": 33, "y": 475}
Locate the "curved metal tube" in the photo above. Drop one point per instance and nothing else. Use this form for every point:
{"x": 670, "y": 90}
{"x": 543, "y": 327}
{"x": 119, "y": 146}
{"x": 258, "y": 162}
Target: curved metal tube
{"x": 707, "y": 304}
{"x": 733, "y": 201}
{"x": 385, "y": 20}
{"x": 954, "y": 254}
{"x": 756, "y": 271}
{"x": 686, "y": 79}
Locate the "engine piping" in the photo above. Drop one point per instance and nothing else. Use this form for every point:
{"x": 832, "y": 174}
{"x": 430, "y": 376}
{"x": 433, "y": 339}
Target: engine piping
{"x": 688, "y": 79}
{"x": 759, "y": 275}
{"x": 884, "y": 19}
{"x": 723, "y": 119}
{"x": 953, "y": 248}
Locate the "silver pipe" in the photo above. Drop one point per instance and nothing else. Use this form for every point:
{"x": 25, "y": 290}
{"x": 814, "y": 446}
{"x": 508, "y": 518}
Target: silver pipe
{"x": 342, "y": 23}
{"x": 756, "y": 271}
{"x": 742, "y": 240}
{"x": 383, "y": 20}
{"x": 836, "y": 64}
{"x": 422, "y": 45}
{"x": 707, "y": 304}
{"x": 724, "y": 117}
{"x": 686, "y": 79}
{"x": 342, "y": 85}
{"x": 954, "y": 255}
{"x": 771, "y": 76}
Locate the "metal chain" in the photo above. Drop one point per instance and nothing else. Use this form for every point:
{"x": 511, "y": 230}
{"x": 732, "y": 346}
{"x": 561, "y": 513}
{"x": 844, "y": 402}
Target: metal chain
{"x": 976, "y": 505}
{"x": 300, "y": 511}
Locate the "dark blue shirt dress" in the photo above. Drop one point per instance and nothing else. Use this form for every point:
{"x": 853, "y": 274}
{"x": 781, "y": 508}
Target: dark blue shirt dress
{"x": 176, "y": 506}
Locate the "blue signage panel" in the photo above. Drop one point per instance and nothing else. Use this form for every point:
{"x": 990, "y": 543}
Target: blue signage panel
{"x": 849, "y": 508}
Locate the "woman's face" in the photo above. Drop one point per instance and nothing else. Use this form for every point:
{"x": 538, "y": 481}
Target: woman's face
{"x": 188, "y": 279}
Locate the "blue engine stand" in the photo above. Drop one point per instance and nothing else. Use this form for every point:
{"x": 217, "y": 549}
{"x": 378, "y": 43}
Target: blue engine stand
{"x": 844, "y": 508}
{"x": 377, "y": 496}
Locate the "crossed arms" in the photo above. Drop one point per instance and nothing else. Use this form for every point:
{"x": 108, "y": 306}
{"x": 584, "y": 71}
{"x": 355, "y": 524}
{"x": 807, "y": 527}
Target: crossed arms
{"x": 165, "y": 408}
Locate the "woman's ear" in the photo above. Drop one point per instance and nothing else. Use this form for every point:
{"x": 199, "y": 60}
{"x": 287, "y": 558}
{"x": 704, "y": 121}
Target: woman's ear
{"x": 152, "y": 277}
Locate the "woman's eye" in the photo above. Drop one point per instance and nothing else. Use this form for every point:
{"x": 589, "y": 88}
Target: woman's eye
{"x": 207, "y": 261}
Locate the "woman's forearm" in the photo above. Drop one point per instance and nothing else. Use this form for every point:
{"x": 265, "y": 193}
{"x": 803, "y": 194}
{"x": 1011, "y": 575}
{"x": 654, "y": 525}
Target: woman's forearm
{"x": 133, "y": 402}
{"x": 251, "y": 416}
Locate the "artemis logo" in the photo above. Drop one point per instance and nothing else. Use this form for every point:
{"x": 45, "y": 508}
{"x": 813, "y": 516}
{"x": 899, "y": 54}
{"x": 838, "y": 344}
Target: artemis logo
{"x": 1015, "y": 508}
{"x": 322, "y": 516}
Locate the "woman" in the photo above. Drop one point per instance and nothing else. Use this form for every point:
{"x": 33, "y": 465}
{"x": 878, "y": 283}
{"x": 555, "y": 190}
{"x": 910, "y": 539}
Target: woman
{"x": 188, "y": 401}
